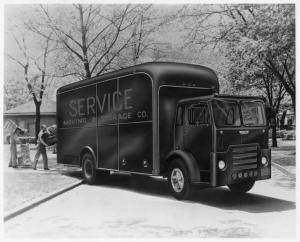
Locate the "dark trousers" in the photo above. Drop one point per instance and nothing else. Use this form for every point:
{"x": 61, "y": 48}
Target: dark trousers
{"x": 13, "y": 155}
{"x": 41, "y": 150}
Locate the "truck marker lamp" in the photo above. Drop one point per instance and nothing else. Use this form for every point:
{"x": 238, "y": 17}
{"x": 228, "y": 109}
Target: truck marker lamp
{"x": 246, "y": 174}
{"x": 221, "y": 165}
{"x": 145, "y": 163}
{"x": 240, "y": 175}
{"x": 264, "y": 161}
{"x": 250, "y": 173}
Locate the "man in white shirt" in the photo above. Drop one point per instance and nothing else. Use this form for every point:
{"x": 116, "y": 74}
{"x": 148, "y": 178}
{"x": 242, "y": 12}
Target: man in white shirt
{"x": 41, "y": 149}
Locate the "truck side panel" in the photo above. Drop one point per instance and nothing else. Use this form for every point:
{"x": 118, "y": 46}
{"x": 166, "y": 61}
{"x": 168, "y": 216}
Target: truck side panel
{"x": 135, "y": 124}
{"x": 70, "y": 146}
{"x": 107, "y": 119}
{"x": 136, "y": 148}
{"x": 114, "y": 118}
{"x": 76, "y": 119}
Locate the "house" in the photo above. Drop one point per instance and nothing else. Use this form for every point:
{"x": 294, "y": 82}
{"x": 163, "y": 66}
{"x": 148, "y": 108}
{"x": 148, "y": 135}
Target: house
{"x": 286, "y": 119}
{"x": 24, "y": 115}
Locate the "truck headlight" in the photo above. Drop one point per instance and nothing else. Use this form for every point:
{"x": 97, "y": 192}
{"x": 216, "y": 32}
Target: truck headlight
{"x": 264, "y": 161}
{"x": 221, "y": 165}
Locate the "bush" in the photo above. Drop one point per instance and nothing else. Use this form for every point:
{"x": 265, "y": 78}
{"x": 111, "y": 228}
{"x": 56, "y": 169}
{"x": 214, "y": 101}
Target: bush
{"x": 279, "y": 133}
{"x": 290, "y": 135}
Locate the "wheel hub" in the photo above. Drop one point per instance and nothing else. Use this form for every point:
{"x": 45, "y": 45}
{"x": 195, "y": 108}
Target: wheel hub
{"x": 177, "y": 180}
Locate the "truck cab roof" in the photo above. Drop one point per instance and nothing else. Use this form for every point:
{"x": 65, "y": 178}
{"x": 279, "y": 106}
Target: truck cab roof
{"x": 216, "y": 96}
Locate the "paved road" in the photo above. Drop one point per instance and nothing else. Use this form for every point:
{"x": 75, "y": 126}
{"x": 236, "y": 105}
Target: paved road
{"x": 127, "y": 206}
{"x": 24, "y": 185}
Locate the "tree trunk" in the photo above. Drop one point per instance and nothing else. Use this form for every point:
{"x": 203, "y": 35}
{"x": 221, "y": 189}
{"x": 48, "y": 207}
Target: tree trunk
{"x": 37, "y": 119}
{"x": 294, "y": 103}
{"x": 281, "y": 124}
{"x": 87, "y": 69}
{"x": 274, "y": 128}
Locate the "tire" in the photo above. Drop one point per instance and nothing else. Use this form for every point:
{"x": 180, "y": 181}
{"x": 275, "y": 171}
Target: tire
{"x": 242, "y": 187}
{"x": 89, "y": 169}
{"x": 179, "y": 181}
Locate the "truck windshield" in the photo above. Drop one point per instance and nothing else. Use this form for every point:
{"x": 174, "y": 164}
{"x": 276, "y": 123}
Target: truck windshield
{"x": 226, "y": 113}
{"x": 252, "y": 113}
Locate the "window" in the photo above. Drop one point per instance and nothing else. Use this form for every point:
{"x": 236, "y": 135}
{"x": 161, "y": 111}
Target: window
{"x": 198, "y": 115}
{"x": 179, "y": 118}
{"x": 252, "y": 113}
{"x": 226, "y": 113}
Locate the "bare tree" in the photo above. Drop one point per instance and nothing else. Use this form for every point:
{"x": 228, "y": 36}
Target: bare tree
{"x": 286, "y": 74}
{"x": 145, "y": 31}
{"x": 37, "y": 83}
{"x": 15, "y": 93}
{"x": 92, "y": 38}
{"x": 275, "y": 92}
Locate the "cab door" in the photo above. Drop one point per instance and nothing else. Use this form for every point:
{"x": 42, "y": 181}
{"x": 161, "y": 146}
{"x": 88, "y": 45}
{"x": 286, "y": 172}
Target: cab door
{"x": 198, "y": 133}
{"x": 179, "y": 128}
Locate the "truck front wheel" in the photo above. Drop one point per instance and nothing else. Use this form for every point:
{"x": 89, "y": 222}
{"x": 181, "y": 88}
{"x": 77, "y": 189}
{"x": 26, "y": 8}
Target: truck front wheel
{"x": 242, "y": 187}
{"x": 178, "y": 180}
{"x": 89, "y": 169}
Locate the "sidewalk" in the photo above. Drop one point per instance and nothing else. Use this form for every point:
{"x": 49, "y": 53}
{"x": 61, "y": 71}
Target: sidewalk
{"x": 285, "y": 154}
{"x": 23, "y": 185}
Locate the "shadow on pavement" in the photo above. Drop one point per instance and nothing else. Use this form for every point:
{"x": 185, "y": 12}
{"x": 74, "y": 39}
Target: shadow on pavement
{"x": 218, "y": 197}
{"x": 249, "y": 202}
{"x": 74, "y": 174}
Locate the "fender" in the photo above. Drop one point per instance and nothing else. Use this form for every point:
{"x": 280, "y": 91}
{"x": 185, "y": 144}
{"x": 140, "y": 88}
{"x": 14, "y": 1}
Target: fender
{"x": 89, "y": 149}
{"x": 190, "y": 163}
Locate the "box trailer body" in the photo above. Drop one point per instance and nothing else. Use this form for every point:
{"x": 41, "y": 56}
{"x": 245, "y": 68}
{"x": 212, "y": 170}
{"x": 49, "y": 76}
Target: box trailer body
{"x": 127, "y": 121}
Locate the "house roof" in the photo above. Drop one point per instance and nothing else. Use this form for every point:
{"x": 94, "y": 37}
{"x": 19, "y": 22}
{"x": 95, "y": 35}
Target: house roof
{"x": 48, "y": 107}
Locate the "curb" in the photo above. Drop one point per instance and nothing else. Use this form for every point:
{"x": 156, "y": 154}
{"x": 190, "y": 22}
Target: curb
{"x": 283, "y": 170}
{"x": 17, "y": 211}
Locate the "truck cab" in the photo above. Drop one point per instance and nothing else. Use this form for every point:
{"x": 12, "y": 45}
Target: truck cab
{"x": 228, "y": 138}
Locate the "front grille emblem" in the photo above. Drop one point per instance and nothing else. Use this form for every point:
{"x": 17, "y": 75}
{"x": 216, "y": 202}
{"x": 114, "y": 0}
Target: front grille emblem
{"x": 244, "y": 131}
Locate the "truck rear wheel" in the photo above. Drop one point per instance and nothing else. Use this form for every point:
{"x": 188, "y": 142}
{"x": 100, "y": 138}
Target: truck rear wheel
{"x": 89, "y": 169}
{"x": 242, "y": 187}
{"x": 179, "y": 182}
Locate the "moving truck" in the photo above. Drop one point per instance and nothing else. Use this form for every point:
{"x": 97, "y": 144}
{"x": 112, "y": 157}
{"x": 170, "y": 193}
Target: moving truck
{"x": 164, "y": 119}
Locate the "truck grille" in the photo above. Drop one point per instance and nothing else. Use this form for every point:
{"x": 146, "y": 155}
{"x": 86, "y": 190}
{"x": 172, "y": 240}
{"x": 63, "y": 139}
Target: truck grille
{"x": 244, "y": 158}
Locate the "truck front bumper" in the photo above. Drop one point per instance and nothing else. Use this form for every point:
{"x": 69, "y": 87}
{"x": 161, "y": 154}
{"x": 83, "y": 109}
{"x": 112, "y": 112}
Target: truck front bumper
{"x": 242, "y": 163}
